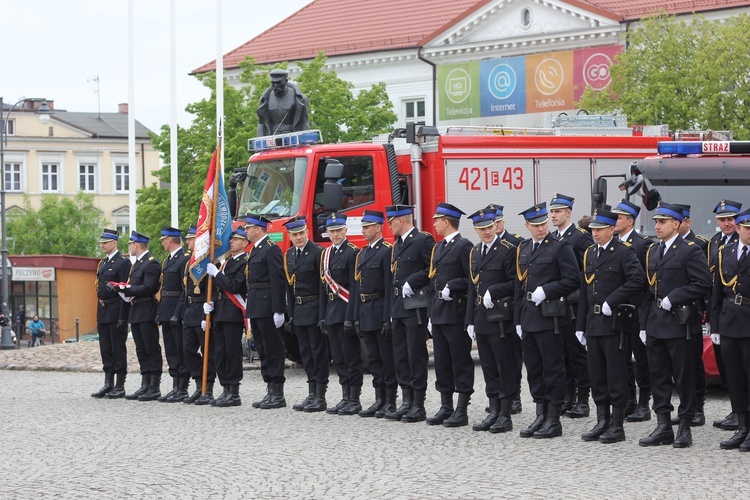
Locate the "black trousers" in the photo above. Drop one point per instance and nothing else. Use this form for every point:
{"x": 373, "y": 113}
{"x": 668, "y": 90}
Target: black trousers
{"x": 226, "y": 346}
{"x": 720, "y": 366}
{"x": 269, "y": 341}
{"x": 638, "y": 372}
{"x": 672, "y": 359}
{"x": 147, "y": 348}
{"x": 576, "y": 363}
{"x": 174, "y": 350}
{"x": 608, "y": 370}
{"x": 736, "y": 353}
{"x": 500, "y": 364}
{"x": 700, "y": 369}
{"x": 193, "y": 339}
{"x": 346, "y": 353}
{"x": 380, "y": 359}
{"x": 112, "y": 348}
{"x": 517, "y": 346}
{"x": 313, "y": 349}
{"x": 410, "y": 352}
{"x": 454, "y": 367}
{"x": 543, "y": 353}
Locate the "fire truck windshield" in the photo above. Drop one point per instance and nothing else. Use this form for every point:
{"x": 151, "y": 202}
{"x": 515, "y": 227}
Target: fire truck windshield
{"x": 273, "y": 187}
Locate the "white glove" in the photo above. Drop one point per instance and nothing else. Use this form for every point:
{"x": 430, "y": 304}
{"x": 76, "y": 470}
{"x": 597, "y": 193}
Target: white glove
{"x": 429, "y": 326}
{"x": 211, "y": 269}
{"x": 519, "y": 332}
{"x": 208, "y": 307}
{"x": 538, "y": 296}
{"x": 666, "y": 304}
{"x": 470, "y": 331}
{"x": 642, "y": 335}
{"x": 203, "y": 325}
{"x": 488, "y": 304}
{"x": 406, "y": 290}
{"x": 445, "y": 293}
{"x": 716, "y": 338}
{"x": 606, "y": 310}
{"x": 278, "y": 319}
{"x": 581, "y": 337}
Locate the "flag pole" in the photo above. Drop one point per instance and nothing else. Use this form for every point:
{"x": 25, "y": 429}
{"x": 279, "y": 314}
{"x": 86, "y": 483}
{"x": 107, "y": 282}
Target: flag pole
{"x": 209, "y": 287}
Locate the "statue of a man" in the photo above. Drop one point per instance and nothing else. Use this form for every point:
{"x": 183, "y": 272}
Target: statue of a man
{"x": 283, "y": 107}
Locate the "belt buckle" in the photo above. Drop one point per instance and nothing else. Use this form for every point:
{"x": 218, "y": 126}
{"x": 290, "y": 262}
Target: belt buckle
{"x": 101, "y": 302}
{"x": 396, "y": 292}
{"x": 738, "y": 299}
{"x": 658, "y": 302}
{"x": 528, "y": 296}
{"x": 299, "y": 300}
{"x": 597, "y": 309}
{"x": 331, "y": 296}
{"x": 362, "y": 298}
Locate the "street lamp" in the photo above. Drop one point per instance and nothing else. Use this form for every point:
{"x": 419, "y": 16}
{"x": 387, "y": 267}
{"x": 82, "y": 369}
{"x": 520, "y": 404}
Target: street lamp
{"x": 6, "y": 341}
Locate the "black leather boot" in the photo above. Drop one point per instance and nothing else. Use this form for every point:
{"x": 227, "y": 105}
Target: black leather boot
{"x": 552, "y": 426}
{"x": 319, "y": 401}
{"x": 569, "y": 401}
{"x": 408, "y": 400}
{"x": 632, "y": 401}
{"x": 109, "y": 383}
{"x": 642, "y": 412}
{"x": 602, "y": 423}
{"x": 208, "y": 397}
{"x": 256, "y": 404}
{"x": 581, "y": 407}
{"x": 739, "y": 437}
{"x": 445, "y": 411}
{"x": 182, "y": 390}
{"x": 460, "y": 417}
{"x": 333, "y": 410}
{"x": 310, "y": 396}
{"x": 541, "y": 415}
{"x": 390, "y": 403}
{"x": 377, "y": 405}
{"x": 699, "y": 418}
{"x": 224, "y": 395}
{"x": 745, "y": 446}
{"x": 354, "y": 406}
{"x": 663, "y": 434}
{"x": 516, "y": 407}
{"x": 232, "y": 398}
{"x": 503, "y": 422}
{"x": 154, "y": 389}
{"x": 145, "y": 378}
{"x": 277, "y": 397}
{"x": 175, "y": 383}
{"x": 196, "y": 394}
{"x": 485, "y": 424}
{"x": 728, "y": 423}
{"x": 417, "y": 412}
{"x": 684, "y": 437}
{"x": 615, "y": 432}
{"x": 118, "y": 391}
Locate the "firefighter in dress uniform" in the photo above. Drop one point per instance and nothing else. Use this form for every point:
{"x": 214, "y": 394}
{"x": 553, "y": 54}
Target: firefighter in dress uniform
{"x": 547, "y": 272}
{"x": 678, "y": 277}
{"x": 612, "y": 276}
{"x": 410, "y": 262}
{"x": 730, "y": 306}
{"x": 227, "y": 320}
{"x": 372, "y": 312}
{"x": 576, "y": 363}
{"x": 302, "y": 268}
{"x": 493, "y": 272}
{"x": 112, "y": 317}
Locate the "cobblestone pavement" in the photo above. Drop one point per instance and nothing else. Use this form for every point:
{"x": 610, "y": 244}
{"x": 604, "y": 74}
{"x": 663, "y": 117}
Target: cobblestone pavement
{"x": 59, "y": 442}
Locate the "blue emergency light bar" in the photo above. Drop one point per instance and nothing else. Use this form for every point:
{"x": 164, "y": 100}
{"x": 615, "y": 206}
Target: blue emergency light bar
{"x": 290, "y": 140}
{"x": 703, "y": 147}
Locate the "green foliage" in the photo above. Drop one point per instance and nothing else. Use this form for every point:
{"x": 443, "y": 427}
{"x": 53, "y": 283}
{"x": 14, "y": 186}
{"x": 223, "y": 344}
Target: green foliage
{"x": 685, "y": 74}
{"x": 60, "y": 226}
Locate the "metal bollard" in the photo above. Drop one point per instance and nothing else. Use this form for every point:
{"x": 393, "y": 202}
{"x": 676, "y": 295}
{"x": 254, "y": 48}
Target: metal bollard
{"x": 77, "y": 330}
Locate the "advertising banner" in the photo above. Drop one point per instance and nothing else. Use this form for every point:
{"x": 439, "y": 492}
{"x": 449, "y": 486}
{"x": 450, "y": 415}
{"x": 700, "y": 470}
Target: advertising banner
{"x": 458, "y": 90}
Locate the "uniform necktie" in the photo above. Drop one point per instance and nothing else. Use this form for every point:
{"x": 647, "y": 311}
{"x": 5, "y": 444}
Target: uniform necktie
{"x": 662, "y": 248}
{"x": 536, "y": 245}
{"x": 484, "y": 251}
{"x": 299, "y": 253}
{"x": 599, "y": 251}
{"x": 743, "y": 254}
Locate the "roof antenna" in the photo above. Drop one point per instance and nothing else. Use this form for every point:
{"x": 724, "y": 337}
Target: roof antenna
{"x": 98, "y": 95}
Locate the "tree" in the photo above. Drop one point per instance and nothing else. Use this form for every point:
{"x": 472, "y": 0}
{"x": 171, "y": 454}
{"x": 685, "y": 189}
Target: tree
{"x": 60, "y": 226}
{"x": 686, "y": 74}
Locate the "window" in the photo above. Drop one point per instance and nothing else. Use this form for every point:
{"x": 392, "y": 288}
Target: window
{"x": 87, "y": 177}
{"x": 122, "y": 177}
{"x": 11, "y": 127}
{"x": 50, "y": 177}
{"x": 414, "y": 111}
{"x": 12, "y": 176}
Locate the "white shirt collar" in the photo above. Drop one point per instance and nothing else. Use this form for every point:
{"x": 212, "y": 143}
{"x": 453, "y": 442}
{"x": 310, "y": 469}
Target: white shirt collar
{"x": 176, "y": 251}
{"x": 624, "y": 237}
{"x": 403, "y": 236}
{"x": 668, "y": 243}
{"x": 561, "y": 231}
{"x": 604, "y": 247}
{"x": 450, "y": 237}
{"x": 110, "y": 255}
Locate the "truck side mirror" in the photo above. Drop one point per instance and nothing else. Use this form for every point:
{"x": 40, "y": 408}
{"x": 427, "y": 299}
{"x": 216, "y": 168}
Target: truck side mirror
{"x": 599, "y": 195}
{"x": 333, "y": 192}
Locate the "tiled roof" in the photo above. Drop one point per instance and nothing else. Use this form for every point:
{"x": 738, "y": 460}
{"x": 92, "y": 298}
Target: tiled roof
{"x": 339, "y": 27}
{"x": 101, "y": 125}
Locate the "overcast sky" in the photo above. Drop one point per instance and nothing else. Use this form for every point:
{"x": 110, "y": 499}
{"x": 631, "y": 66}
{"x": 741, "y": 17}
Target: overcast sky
{"x": 57, "y": 48}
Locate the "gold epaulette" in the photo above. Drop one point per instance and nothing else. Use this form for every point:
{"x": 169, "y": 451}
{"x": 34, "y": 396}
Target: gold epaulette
{"x": 270, "y": 242}
{"x": 150, "y": 257}
{"x": 690, "y": 242}
{"x": 626, "y": 243}
{"x": 581, "y": 229}
{"x": 701, "y": 238}
{"x": 518, "y": 236}
{"x": 386, "y": 244}
{"x": 425, "y": 233}
{"x": 352, "y": 245}
{"x": 507, "y": 244}
{"x": 187, "y": 254}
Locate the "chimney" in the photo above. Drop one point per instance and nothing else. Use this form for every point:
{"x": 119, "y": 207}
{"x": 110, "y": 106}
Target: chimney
{"x": 122, "y": 108}
{"x": 35, "y": 104}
